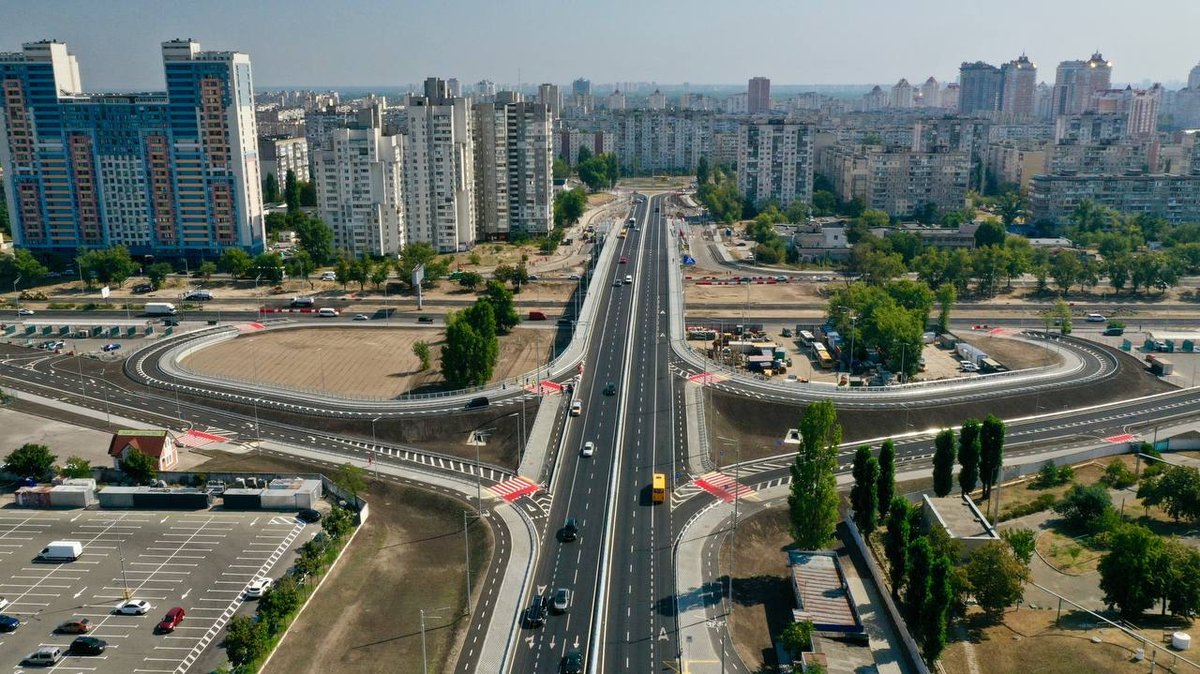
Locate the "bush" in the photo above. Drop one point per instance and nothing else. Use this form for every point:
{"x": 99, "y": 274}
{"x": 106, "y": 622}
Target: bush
{"x": 1052, "y": 476}
{"x": 1042, "y": 502}
{"x": 1085, "y": 508}
{"x": 1118, "y": 476}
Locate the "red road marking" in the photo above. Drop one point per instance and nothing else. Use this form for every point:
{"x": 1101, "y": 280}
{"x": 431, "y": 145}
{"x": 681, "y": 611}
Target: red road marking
{"x": 1126, "y": 437}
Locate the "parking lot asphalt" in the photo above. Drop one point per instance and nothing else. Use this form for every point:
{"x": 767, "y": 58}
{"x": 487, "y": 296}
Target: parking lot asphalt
{"x": 200, "y": 561}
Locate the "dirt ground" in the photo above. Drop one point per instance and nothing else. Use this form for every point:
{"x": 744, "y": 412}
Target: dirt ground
{"x": 360, "y": 362}
{"x": 776, "y": 293}
{"x": 761, "y": 590}
{"x": 408, "y": 556}
{"x": 1028, "y": 641}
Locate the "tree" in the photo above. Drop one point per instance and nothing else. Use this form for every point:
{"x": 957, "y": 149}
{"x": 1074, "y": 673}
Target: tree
{"x": 308, "y": 194}
{"x": 887, "y": 477}
{"x": 997, "y": 576}
{"x": 379, "y": 274}
{"x": 29, "y": 460}
{"x": 20, "y": 265}
{"x": 278, "y": 603}
{"x": 1176, "y": 490}
{"x": 139, "y": 467}
{"x": 812, "y": 504}
{"x": 1021, "y": 541}
{"x": 350, "y": 478}
{"x": 1127, "y": 573}
{"x": 968, "y": 455}
{"x": 936, "y": 615}
{"x": 343, "y": 272}
{"x": 206, "y": 269}
{"x": 291, "y": 191}
{"x": 314, "y": 237}
{"x": 797, "y": 637}
{"x": 470, "y": 280}
{"x": 702, "y": 170}
{"x": 1011, "y": 205}
{"x": 1117, "y": 475}
{"x": 76, "y": 467}
{"x": 421, "y": 254}
{"x": 1179, "y": 570}
{"x": 991, "y": 454}
{"x": 946, "y": 297}
{"x": 917, "y": 582}
{"x": 943, "y": 462}
{"x": 246, "y": 639}
{"x": 1065, "y": 269}
{"x": 899, "y": 533}
{"x": 562, "y": 170}
{"x": 1083, "y": 505}
{"x": 235, "y": 262}
{"x": 420, "y": 349}
{"x": 271, "y": 189}
{"x": 503, "y": 307}
{"x": 865, "y": 492}
{"x": 569, "y": 207}
{"x": 109, "y": 266}
{"x": 990, "y": 233}
{"x": 465, "y": 354}
{"x": 268, "y": 266}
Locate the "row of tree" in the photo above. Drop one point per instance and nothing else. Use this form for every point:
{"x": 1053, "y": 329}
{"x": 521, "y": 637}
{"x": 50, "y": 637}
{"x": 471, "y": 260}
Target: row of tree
{"x": 979, "y": 449}
{"x": 887, "y": 318}
{"x": 597, "y": 172}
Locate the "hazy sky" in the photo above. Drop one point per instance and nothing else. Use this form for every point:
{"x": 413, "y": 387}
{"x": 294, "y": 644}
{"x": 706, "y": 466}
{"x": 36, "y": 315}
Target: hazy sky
{"x": 390, "y": 42}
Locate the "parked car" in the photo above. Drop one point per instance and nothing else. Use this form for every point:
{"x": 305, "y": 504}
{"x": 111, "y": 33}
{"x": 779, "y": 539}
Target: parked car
{"x": 309, "y": 515}
{"x": 257, "y": 588}
{"x": 589, "y": 448}
{"x": 8, "y": 623}
{"x": 142, "y": 288}
{"x": 570, "y": 530}
{"x": 171, "y": 620}
{"x": 80, "y": 626}
{"x": 46, "y": 656}
{"x": 537, "y": 316}
{"x": 88, "y": 646}
{"x": 562, "y": 599}
{"x": 110, "y": 347}
{"x": 573, "y": 277}
{"x": 1114, "y": 332}
{"x": 328, "y": 276}
{"x": 133, "y": 607}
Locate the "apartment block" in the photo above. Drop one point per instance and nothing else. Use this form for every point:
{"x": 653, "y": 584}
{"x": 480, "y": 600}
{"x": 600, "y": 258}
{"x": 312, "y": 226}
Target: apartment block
{"x": 282, "y": 154}
{"x": 514, "y": 188}
{"x": 1015, "y": 163}
{"x": 439, "y": 170}
{"x": 1175, "y": 198}
{"x": 775, "y": 162}
{"x": 661, "y": 140}
{"x": 174, "y": 173}
{"x": 360, "y": 194}
{"x": 902, "y": 181}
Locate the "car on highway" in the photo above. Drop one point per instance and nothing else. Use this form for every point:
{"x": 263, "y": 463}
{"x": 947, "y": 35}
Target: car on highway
{"x": 25, "y": 312}
{"x": 361, "y": 317}
{"x": 257, "y": 588}
{"x": 1114, "y": 331}
{"x": 88, "y": 646}
{"x": 80, "y": 626}
{"x": 572, "y": 662}
{"x": 570, "y": 530}
{"x": 576, "y": 408}
{"x": 476, "y": 403}
{"x": 535, "y": 615}
{"x": 8, "y": 623}
{"x": 425, "y": 319}
{"x": 47, "y": 656}
{"x": 617, "y": 283}
{"x": 171, "y": 620}
{"x": 133, "y": 607}
{"x": 562, "y": 599}
{"x": 110, "y": 347}
{"x": 1096, "y": 318}
{"x": 610, "y": 389}
{"x": 589, "y": 448}
{"x": 624, "y": 260}
{"x": 629, "y": 278}
{"x": 309, "y": 515}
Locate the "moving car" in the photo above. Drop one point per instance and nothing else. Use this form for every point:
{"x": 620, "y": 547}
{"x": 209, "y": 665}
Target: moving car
{"x": 562, "y": 599}
{"x": 24, "y": 312}
{"x": 629, "y": 278}
{"x": 537, "y": 316}
{"x": 80, "y": 626}
{"x": 617, "y": 283}
{"x": 88, "y": 646}
{"x": 610, "y": 389}
{"x": 198, "y": 296}
{"x": 425, "y": 319}
{"x": 327, "y": 312}
{"x": 8, "y": 623}
{"x": 1096, "y": 318}
{"x": 133, "y": 607}
{"x": 572, "y": 662}
{"x": 171, "y": 620}
{"x": 576, "y": 408}
{"x": 309, "y": 515}
{"x": 110, "y": 347}
{"x": 624, "y": 260}
{"x": 535, "y": 615}
{"x": 570, "y": 530}
{"x": 476, "y": 403}
{"x": 44, "y": 657}
{"x": 257, "y": 588}
{"x": 361, "y": 317}
{"x": 589, "y": 448}
{"x": 1114, "y": 332}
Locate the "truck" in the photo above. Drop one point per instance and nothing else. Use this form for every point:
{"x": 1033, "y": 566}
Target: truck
{"x": 160, "y": 309}
{"x": 60, "y": 551}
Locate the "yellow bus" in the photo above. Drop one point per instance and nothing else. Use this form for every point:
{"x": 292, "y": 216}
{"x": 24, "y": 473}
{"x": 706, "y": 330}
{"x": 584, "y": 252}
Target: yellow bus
{"x": 658, "y": 488}
{"x": 823, "y": 357}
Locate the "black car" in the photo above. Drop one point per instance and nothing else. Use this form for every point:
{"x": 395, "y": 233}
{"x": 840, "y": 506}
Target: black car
{"x": 570, "y": 531}
{"x": 535, "y": 615}
{"x": 142, "y": 288}
{"x": 572, "y": 662}
{"x": 475, "y": 403}
{"x": 8, "y": 623}
{"x": 425, "y": 319}
{"x": 309, "y": 515}
{"x": 610, "y": 389}
{"x": 88, "y": 646}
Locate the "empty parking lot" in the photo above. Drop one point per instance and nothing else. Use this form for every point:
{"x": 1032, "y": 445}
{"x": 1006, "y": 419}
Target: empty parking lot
{"x": 200, "y": 561}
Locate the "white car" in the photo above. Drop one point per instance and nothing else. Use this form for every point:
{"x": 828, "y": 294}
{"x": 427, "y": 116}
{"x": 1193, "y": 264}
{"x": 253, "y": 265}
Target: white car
{"x": 361, "y": 317}
{"x": 257, "y": 588}
{"x": 628, "y": 278}
{"x": 329, "y": 276}
{"x": 968, "y": 366}
{"x": 3, "y": 602}
{"x": 589, "y": 448}
{"x": 133, "y": 607}
{"x": 24, "y": 312}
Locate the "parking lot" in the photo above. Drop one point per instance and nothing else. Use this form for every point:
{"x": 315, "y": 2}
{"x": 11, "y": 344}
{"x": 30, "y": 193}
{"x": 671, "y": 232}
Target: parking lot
{"x": 200, "y": 561}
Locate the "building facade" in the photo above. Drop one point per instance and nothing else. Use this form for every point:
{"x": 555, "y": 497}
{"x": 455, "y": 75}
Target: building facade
{"x": 174, "y": 173}
{"x": 758, "y": 95}
{"x": 1175, "y": 198}
{"x": 1075, "y": 82}
{"x": 439, "y": 170}
{"x": 1018, "y": 86}
{"x": 280, "y": 155}
{"x": 979, "y": 87}
{"x": 775, "y": 162}
{"x": 359, "y": 185}
{"x": 514, "y": 189}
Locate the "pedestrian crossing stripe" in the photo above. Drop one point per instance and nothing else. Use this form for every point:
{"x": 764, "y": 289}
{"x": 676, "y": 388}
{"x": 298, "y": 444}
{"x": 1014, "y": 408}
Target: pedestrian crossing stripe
{"x": 707, "y": 378}
{"x": 195, "y": 438}
{"x": 514, "y": 488}
{"x": 722, "y": 486}
{"x": 545, "y": 387}
{"x": 1116, "y": 439}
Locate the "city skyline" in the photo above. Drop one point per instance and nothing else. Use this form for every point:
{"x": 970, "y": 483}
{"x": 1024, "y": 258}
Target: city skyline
{"x": 389, "y": 45}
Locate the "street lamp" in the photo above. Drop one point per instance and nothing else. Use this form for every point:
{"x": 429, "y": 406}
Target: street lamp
{"x": 424, "y": 657}
{"x": 17, "y": 298}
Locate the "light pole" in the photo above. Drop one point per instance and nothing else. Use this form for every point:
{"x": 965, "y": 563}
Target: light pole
{"x": 424, "y": 656}
{"x": 374, "y": 443}
{"x": 733, "y": 536}
{"x": 16, "y": 297}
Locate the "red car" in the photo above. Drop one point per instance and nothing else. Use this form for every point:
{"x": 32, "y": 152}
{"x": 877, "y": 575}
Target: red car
{"x": 171, "y": 620}
{"x": 80, "y": 626}
{"x": 624, "y": 259}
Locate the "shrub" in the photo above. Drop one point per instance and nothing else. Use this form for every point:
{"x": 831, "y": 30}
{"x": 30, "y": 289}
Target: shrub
{"x": 1042, "y": 502}
{"x": 1118, "y": 476}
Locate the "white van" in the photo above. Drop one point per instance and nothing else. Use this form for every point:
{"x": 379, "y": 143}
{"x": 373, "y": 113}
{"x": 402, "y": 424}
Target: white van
{"x": 327, "y": 312}
{"x": 1096, "y": 318}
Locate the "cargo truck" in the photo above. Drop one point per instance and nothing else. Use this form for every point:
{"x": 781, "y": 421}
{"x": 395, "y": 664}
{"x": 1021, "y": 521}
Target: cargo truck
{"x": 60, "y": 551}
{"x": 160, "y": 309}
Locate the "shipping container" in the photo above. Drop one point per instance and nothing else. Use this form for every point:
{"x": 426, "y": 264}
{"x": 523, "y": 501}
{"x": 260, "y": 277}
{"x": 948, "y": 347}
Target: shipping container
{"x": 117, "y": 497}
{"x": 34, "y": 497}
{"x": 71, "y": 496}
{"x": 242, "y": 499}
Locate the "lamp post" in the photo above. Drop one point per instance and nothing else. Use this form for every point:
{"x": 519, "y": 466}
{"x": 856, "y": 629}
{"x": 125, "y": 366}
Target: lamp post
{"x": 16, "y": 297}
{"x": 374, "y": 443}
{"x": 424, "y": 656}
{"x": 733, "y": 535}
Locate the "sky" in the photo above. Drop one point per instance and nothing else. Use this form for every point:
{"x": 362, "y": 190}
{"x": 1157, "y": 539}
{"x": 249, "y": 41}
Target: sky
{"x": 387, "y": 43}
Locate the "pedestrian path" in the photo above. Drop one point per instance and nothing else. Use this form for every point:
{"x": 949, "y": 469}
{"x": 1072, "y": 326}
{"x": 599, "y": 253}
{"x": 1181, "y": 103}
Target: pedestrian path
{"x": 513, "y": 489}
{"x": 722, "y": 486}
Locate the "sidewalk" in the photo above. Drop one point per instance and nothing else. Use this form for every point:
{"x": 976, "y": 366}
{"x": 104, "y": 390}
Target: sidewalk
{"x": 537, "y": 442}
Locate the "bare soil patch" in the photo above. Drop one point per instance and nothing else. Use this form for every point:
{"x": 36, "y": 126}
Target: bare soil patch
{"x": 408, "y": 556}
{"x": 361, "y": 362}
{"x": 762, "y": 593}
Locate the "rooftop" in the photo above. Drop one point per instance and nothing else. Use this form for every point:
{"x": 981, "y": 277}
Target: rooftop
{"x": 821, "y": 592}
{"x": 959, "y": 517}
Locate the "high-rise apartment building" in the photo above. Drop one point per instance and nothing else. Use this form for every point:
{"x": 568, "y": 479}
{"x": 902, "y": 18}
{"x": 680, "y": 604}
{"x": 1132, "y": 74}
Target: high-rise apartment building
{"x": 550, "y": 96}
{"x": 513, "y": 175}
{"x": 660, "y": 140}
{"x": 775, "y": 161}
{"x": 581, "y": 87}
{"x": 1018, "y": 86}
{"x": 173, "y": 173}
{"x": 439, "y": 167}
{"x": 616, "y": 100}
{"x": 758, "y": 98}
{"x": 951, "y": 94}
{"x": 1075, "y": 82}
{"x": 979, "y": 87}
{"x": 360, "y": 190}
{"x": 897, "y": 180}
{"x": 485, "y": 91}
{"x": 1143, "y": 111}
{"x": 656, "y": 100}
{"x": 874, "y": 100}
{"x": 902, "y": 95}
{"x": 931, "y": 94}
{"x": 278, "y": 155}
{"x": 1194, "y": 77}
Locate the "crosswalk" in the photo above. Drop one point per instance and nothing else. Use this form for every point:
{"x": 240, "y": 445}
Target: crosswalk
{"x": 545, "y": 387}
{"x": 198, "y": 438}
{"x": 514, "y": 488}
{"x": 722, "y": 486}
